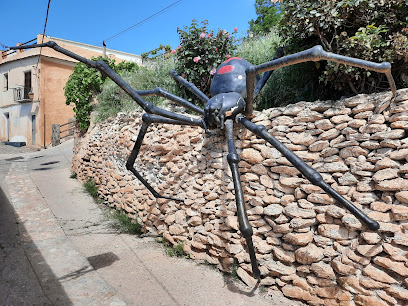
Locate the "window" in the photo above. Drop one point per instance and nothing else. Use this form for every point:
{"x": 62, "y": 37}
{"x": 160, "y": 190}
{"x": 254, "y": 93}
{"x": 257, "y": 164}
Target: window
{"x": 6, "y": 85}
{"x": 27, "y": 84}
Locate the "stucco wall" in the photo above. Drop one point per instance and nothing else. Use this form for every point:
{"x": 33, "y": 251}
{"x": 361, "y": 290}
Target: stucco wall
{"x": 308, "y": 247}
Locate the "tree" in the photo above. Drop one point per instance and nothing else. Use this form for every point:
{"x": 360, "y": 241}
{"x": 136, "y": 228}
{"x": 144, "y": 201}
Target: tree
{"x": 269, "y": 15}
{"x": 368, "y": 29}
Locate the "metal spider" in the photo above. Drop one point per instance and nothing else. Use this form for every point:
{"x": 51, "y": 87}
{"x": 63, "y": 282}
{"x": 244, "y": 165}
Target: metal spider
{"x": 235, "y": 85}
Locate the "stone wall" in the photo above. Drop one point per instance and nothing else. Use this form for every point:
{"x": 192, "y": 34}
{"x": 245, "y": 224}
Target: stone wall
{"x": 308, "y": 247}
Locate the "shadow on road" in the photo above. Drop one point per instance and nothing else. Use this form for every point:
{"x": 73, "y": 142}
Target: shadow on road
{"x": 25, "y": 279}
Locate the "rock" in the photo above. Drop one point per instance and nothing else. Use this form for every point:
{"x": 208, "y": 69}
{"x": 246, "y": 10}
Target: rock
{"x": 283, "y": 255}
{"x": 378, "y": 275}
{"x": 324, "y": 124}
{"x": 309, "y": 254}
{"x": 299, "y": 238}
{"x": 333, "y": 167}
{"x": 343, "y": 269}
{"x": 397, "y": 184}
{"x": 252, "y": 156}
{"x": 385, "y": 174}
{"x": 296, "y": 223}
{"x": 318, "y": 145}
{"x": 355, "y": 151}
{"x": 351, "y": 222}
{"x": 397, "y": 267}
{"x": 296, "y": 292}
{"x": 329, "y": 134}
{"x": 323, "y": 270}
{"x": 320, "y": 198}
{"x": 399, "y": 154}
{"x": 352, "y": 284}
{"x": 395, "y": 252}
{"x": 347, "y": 179}
{"x": 246, "y": 278}
{"x": 399, "y": 212}
{"x": 277, "y": 268}
{"x": 402, "y": 196}
{"x": 273, "y": 210}
{"x": 365, "y": 300}
{"x": 386, "y": 162}
{"x": 335, "y": 231}
{"x": 371, "y": 238}
{"x": 398, "y": 292}
{"x": 370, "y": 250}
{"x": 294, "y": 211}
{"x": 301, "y": 138}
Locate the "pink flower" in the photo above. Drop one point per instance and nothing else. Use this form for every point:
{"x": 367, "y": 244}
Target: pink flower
{"x": 173, "y": 51}
{"x": 202, "y": 35}
{"x": 183, "y": 75}
{"x": 212, "y": 71}
{"x": 196, "y": 59}
{"x": 179, "y": 47}
{"x": 235, "y": 29}
{"x": 216, "y": 49}
{"x": 228, "y": 56}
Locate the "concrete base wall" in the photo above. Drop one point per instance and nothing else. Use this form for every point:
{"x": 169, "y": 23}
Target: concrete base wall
{"x": 308, "y": 247}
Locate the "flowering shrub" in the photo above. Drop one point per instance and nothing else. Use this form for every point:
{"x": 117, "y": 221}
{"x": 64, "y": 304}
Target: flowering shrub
{"x": 201, "y": 51}
{"x": 368, "y": 29}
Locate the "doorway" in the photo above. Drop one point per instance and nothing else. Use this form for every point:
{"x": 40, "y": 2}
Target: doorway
{"x": 7, "y": 125}
{"x": 33, "y": 128}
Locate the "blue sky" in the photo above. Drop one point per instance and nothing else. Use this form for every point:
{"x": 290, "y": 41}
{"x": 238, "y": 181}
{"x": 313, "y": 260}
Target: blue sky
{"x": 92, "y": 21}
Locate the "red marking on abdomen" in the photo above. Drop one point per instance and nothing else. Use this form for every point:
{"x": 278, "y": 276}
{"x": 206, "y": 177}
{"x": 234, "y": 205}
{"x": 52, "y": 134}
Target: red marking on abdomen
{"x": 225, "y": 69}
{"x": 237, "y": 58}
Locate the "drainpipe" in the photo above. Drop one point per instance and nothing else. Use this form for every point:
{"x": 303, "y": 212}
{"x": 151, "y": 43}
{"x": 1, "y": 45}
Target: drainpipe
{"x": 104, "y": 50}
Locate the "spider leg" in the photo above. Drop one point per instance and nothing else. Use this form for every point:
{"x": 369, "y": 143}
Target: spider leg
{"x": 158, "y": 91}
{"x": 312, "y": 175}
{"x": 147, "y": 120}
{"x": 190, "y": 86}
{"x": 313, "y": 54}
{"x": 267, "y": 74}
{"x": 110, "y": 73}
{"x": 244, "y": 226}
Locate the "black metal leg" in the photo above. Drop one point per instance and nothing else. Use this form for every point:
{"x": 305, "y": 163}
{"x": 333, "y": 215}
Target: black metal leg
{"x": 158, "y": 91}
{"x": 147, "y": 120}
{"x": 313, "y": 54}
{"x": 105, "y": 69}
{"x": 312, "y": 175}
{"x": 244, "y": 226}
{"x": 190, "y": 86}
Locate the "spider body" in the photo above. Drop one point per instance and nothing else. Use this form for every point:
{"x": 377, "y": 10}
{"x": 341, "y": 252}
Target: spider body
{"x": 235, "y": 85}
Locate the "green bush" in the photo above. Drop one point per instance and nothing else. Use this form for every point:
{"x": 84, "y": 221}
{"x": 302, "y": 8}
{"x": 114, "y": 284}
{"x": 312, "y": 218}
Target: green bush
{"x": 85, "y": 83}
{"x": 201, "y": 51}
{"x": 286, "y": 85}
{"x": 113, "y": 99}
{"x": 368, "y": 29}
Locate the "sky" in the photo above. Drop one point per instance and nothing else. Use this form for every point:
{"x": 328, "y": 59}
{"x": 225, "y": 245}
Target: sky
{"x": 93, "y": 21}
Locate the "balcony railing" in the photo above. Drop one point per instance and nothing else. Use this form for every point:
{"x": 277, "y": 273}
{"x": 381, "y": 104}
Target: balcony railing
{"x": 21, "y": 94}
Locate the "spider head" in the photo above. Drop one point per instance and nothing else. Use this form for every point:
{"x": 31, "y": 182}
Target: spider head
{"x": 223, "y": 106}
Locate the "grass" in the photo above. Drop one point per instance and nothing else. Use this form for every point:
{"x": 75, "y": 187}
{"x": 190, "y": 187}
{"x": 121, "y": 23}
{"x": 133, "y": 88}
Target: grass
{"x": 91, "y": 188}
{"x": 174, "y": 251}
{"x": 73, "y": 175}
{"x": 124, "y": 224}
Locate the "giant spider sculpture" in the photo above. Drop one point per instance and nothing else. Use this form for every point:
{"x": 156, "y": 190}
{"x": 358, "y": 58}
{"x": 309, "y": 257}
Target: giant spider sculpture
{"x": 233, "y": 89}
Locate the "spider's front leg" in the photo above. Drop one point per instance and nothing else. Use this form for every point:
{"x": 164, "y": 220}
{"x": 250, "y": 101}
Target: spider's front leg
{"x": 244, "y": 226}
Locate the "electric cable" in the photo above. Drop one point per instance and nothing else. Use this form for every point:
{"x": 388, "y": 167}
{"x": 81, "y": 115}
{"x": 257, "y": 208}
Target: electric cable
{"x": 140, "y": 22}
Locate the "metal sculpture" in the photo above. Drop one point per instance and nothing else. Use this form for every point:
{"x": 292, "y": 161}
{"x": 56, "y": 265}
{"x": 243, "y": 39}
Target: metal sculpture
{"x": 233, "y": 90}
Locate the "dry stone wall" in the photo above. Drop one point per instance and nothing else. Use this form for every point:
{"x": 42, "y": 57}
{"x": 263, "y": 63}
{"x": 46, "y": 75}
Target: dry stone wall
{"x": 308, "y": 247}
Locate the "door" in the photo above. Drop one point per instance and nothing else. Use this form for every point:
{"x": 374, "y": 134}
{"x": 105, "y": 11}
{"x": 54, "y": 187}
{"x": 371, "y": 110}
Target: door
{"x": 33, "y": 127}
{"x": 7, "y": 125}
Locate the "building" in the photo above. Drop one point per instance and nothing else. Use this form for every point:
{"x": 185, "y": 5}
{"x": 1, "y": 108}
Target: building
{"x": 32, "y": 88}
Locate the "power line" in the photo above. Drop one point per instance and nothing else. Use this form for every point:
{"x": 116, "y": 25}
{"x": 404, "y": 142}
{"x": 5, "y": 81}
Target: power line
{"x": 45, "y": 27}
{"x": 140, "y": 22}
